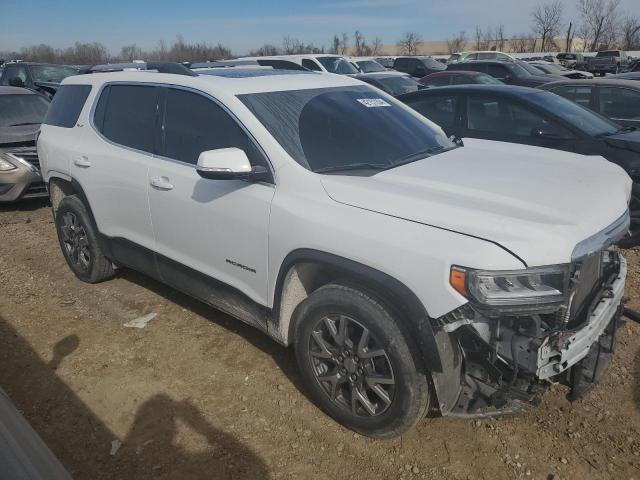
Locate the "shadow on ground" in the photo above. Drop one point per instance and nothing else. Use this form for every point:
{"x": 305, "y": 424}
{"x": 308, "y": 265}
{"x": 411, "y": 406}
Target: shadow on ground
{"x": 82, "y": 441}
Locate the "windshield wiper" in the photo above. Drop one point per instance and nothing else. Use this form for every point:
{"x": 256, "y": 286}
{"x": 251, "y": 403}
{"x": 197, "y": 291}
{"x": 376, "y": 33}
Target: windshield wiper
{"x": 25, "y": 123}
{"x": 352, "y": 166}
{"x": 427, "y": 152}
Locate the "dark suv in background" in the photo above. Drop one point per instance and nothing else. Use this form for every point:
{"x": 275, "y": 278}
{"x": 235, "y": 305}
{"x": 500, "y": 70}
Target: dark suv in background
{"x": 418, "y": 66}
{"x": 511, "y": 73}
{"x": 41, "y": 77}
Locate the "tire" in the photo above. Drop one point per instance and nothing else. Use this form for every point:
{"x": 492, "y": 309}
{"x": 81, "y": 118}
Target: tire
{"x": 79, "y": 242}
{"x": 334, "y": 378}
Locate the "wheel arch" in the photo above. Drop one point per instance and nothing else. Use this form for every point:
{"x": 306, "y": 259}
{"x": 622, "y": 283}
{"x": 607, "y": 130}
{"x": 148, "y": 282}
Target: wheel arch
{"x": 305, "y": 270}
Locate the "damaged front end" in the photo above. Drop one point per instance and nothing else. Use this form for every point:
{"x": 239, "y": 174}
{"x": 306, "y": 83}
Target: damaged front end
{"x": 519, "y": 333}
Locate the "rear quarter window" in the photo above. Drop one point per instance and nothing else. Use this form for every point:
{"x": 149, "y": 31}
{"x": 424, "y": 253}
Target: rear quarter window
{"x": 67, "y": 105}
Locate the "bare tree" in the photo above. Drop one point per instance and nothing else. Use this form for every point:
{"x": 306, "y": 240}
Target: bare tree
{"x": 457, "y": 42}
{"x": 599, "y": 18}
{"x": 501, "y": 41}
{"x": 547, "y": 21}
{"x": 344, "y": 43}
{"x": 376, "y": 46}
{"x": 360, "y": 44}
{"x": 288, "y": 45}
{"x": 409, "y": 43}
{"x": 630, "y": 33}
{"x": 264, "y": 51}
{"x": 478, "y": 37}
{"x": 569, "y": 38}
{"x": 335, "y": 45}
{"x": 129, "y": 53}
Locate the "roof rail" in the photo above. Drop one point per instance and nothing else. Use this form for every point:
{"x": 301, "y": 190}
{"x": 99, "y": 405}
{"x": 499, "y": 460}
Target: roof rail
{"x": 159, "y": 67}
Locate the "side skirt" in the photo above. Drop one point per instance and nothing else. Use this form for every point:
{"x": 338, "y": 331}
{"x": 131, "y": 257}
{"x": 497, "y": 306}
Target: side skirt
{"x": 202, "y": 287}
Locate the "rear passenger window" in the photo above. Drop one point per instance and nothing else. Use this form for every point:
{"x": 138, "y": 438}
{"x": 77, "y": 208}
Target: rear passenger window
{"x": 194, "y": 124}
{"x": 440, "y": 109}
{"x": 580, "y": 95}
{"x": 66, "y": 105}
{"x": 440, "y": 81}
{"x": 497, "y": 71}
{"x": 620, "y": 103}
{"x": 126, "y": 115}
{"x": 311, "y": 65}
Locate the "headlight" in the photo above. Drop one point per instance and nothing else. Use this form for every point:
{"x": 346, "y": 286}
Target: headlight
{"x": 531, "y": 287}
{"x": 5, "y": 164}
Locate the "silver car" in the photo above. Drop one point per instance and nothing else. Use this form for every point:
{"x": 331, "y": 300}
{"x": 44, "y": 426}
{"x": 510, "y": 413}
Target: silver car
{"x": 21, "y": 113}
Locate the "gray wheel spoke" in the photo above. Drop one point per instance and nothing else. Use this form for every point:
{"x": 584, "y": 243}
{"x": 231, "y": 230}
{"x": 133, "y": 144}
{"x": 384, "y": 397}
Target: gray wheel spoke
{"x": 325, "y": 350}
{"x": 372, "y": 354}
{"x": 358, "y": 396}
{"x": 382, "y": 393}
{"x": 335, "y": 380}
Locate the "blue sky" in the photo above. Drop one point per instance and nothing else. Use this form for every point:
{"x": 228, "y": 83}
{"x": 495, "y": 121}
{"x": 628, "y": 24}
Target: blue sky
{"x": 245, "y": 24}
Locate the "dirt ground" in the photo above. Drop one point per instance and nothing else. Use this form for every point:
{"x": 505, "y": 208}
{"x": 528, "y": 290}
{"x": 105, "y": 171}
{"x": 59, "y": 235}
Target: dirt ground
{"x": 198, "y": 395}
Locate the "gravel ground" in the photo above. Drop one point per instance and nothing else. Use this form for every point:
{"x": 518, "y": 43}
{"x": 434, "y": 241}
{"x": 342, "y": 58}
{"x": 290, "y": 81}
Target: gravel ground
{"x": 199, "y": 395}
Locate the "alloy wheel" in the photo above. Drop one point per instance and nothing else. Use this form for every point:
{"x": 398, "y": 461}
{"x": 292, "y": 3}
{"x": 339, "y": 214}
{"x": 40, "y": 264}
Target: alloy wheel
{"x": 75, "y": 241}
{"x": 351, "y": 366}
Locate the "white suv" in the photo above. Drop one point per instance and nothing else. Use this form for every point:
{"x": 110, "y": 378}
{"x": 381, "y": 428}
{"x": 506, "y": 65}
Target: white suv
{"x": 410, "y": 272}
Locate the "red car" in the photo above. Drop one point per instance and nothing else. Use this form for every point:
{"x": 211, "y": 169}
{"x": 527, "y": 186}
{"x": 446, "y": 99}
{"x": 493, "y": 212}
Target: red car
{"x": 455, "y": 77}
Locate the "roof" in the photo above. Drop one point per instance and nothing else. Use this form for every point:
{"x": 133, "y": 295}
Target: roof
{"x": 380, "y": 75}
{"x": 506, "y": 90}
{"x": 16, "y": 91}
{"x": 224, "y": 82}
{"x": 291, "y": 57}
{"x": 606, "y": 81}
{"x": 251, "y": 72}
{"x": 453, "y": 71}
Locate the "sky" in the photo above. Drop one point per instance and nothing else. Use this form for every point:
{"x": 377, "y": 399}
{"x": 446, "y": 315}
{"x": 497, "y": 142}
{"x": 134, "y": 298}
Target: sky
{"x": 246, "y": 24}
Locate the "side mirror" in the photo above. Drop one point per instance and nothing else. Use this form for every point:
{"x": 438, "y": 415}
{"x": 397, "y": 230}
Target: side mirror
{"x": 16, "y": 82}
{"x": 229, "y": 164}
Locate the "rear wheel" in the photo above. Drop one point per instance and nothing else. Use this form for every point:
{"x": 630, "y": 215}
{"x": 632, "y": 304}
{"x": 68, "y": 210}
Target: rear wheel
{"x": 79, "y": 242}
{"x": 357, "y": 364}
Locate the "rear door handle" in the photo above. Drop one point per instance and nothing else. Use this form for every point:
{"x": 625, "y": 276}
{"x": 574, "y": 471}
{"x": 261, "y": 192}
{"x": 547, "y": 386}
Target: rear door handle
{"x": 161, "y": 183}
{"x": 82, "y": 161}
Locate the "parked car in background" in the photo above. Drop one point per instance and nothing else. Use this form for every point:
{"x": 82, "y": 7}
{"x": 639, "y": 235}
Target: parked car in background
{"x": 367, "y": 65}
{"x": 618, "y": 100}
{"x": 532, "y": 117}
{"x": 511, "y": 73}
{"x": 21, "y": 113}
{"x": 386, "y": 62}
{"x": 418, "y": 66}
{"x": 41, "y": 77}
{"x": 277, "y": 64}
{"x": 608, "y": 61}
{"x": 559, "y": 70}
{"x": 454, "y": 77}
{"x": 480, "y": 55}
{"x": 573, "y": 61}
{"x": 394, "y": 83}
{"x": 625, "y": 76}
{"x": 634, "y": 66}
{"x": 446, "y": 281}
{"x": 318, "y": 63}
{"x": 535, "y": 71}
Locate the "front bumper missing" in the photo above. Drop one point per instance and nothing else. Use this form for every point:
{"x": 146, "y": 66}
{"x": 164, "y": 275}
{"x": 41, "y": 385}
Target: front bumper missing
{"x": 507, "y": 363}
{"x": 561, "y": 350}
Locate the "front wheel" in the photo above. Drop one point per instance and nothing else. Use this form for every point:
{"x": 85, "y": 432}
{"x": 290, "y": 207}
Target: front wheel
{"x": 358, "y": 364}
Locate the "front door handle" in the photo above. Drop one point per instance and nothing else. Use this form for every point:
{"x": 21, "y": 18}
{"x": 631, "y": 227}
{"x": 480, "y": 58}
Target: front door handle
{"x": 161, "y": 183}
{"x": 82, "y": 161}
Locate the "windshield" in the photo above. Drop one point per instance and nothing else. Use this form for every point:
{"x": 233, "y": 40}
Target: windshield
{"x": 337, "y": 65}
{"x": 613, "y": 53}
{"x": 567, "y": 56}
{"x": 581, "y": 118}
{"x": 368, "y": 66}
{"x": 344, "y": 127}
{"x": 398, "y": 85}
{"x": 51, "y": 73}
{"x": 22, "y": 110}
{"x": 531, "y": 70}
{"x": 488, "y": 79}
{"x": 432, "y": 64}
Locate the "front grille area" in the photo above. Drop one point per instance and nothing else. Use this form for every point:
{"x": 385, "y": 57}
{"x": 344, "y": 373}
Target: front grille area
{"x": 27, "y": 154}
{"x": 36, "y": 190}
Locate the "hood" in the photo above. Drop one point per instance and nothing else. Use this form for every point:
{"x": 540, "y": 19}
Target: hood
{"x": 625, "y": 140}
{"x": 535, "y": 202}
{"x": 542, "y": 79}
{"x": 18, "y": 134}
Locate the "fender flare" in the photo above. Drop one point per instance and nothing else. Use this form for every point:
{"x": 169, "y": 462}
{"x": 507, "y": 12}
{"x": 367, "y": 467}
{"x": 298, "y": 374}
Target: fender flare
{"x": 440, "y": 351}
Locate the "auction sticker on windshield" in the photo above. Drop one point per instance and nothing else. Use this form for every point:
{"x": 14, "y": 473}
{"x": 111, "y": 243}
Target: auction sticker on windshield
{"x": 373, "y": 102}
